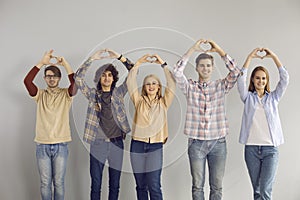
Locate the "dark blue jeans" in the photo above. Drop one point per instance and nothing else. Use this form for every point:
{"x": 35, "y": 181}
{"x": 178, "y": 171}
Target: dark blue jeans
{"x": 146, "y": 161}
{"x": 113, "y": 153}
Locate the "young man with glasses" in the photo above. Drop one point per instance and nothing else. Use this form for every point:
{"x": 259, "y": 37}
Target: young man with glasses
{"x": 52, "y": 124}
{"x": 206, "y": 124}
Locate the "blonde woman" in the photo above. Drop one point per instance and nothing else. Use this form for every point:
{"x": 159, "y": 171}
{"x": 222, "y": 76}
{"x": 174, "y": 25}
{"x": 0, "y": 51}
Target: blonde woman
{"x": 150, "y": 129}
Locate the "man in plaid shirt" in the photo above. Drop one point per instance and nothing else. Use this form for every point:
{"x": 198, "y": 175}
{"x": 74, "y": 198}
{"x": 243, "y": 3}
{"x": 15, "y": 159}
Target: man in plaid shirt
{"x": 206, "y": 124}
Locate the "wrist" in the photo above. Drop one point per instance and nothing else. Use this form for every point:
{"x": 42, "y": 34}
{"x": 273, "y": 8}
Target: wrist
{"x": 164, "y": 64}
{"x": 222, "y": 53}
{"x": 119, "y": 58}
{"x": 39, "y": 65}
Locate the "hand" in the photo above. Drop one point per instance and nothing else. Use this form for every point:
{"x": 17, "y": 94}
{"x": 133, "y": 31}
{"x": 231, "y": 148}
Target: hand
{"x": 46, "y": 58}
{"x": 215, "y": 48}
{"x": 256, "y": 53}
{"x": 144, "y": 59}
{"x": 61, "y": 61}
{"x": 269, "y": 53}
{"x": 112, "y": 54}
{"x": 100, "y": 54}
{"x": 197, "y": 45}
{"x": 157, "y": 59}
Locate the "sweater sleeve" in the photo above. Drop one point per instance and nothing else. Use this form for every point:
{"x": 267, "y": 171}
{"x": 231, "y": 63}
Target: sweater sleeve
{"x": 28, "y": 81}
{"x": 72, "y": 88}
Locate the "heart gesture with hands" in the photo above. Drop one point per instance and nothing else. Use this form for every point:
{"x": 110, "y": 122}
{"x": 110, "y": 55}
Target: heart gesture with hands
{"x": 201, "y": 46}
{"x": 262, "y": 53}
{"x": 105, "y": 53}
{"x": 148, "y": 58}
{"x": 205, "y": 46}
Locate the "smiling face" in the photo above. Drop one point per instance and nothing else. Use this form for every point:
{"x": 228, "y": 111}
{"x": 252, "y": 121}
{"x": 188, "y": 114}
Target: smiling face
{"x": 260, "y": 80}
{"x": 204, "y": 69}
{"x": 151, "y": 86}
{"x": 106, "y": 80}
{"x": 51, "y": 79}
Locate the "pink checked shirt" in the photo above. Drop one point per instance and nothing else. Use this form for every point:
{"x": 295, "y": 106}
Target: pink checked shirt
{"x": 205, "y": 116}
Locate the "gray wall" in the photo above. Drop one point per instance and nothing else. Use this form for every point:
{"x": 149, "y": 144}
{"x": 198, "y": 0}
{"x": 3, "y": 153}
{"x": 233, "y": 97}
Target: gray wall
{"x": 75, "y": 28}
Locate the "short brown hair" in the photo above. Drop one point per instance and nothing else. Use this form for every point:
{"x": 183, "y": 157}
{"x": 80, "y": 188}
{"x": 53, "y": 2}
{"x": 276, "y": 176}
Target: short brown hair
{"x": 54, "y": 69}
{"x": 204, "y": 56}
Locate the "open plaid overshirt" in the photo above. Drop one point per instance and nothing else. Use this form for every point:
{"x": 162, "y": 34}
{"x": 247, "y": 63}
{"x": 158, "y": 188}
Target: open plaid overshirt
{"x": 92, "y": 123}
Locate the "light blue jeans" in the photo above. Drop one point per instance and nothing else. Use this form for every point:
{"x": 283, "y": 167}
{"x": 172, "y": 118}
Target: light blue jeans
{"x": 52, "y": 162}
{"x": 214, "y": 152}
{"x": 262, "y": 162}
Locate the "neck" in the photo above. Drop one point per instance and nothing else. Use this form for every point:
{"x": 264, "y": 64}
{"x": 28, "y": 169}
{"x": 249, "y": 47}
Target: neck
{"x": 260, "y": 93}
{"x": 105, "y": 89}
{"x": 203, "y": 79}
{"x": 52, "y": 88}
{"x": 151, "y": 97}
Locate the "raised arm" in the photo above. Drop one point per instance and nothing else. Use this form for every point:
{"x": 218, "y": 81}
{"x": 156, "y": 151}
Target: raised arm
{"x": 62, "y": 61}
{"x": 271, "y": 54}
{"x": 171, "y": 84}
{"x": 283, "y": 74}
{"x": 241, "y": 82}
{"x": 179, "y": 67}
{"x": 28, "y": 80}
{"x": 126, "y": 62}
{"x": 234, "y": 72}
{"x": 131, "y": 79}
{"x": 80, "y": 73}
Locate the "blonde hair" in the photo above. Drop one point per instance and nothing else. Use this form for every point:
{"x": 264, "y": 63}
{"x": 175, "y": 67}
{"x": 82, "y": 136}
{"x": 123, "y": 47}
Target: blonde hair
{"x": 144, "y": 93}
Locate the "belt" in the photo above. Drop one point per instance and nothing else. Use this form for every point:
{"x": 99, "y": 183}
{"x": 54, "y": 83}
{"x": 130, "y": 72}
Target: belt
{"x": 112, "y": 139}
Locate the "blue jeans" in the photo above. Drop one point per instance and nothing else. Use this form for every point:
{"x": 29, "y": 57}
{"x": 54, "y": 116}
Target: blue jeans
{"x": 52, "y": 163}
{"x": 214, "y": 151}
{"x": 99, "y": 153}
{"x": 146, "y": 161}
{"x": 262, "y": 162}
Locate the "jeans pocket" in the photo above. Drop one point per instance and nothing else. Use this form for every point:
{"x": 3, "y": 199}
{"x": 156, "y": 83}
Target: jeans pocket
{"x": 222, "y": 140}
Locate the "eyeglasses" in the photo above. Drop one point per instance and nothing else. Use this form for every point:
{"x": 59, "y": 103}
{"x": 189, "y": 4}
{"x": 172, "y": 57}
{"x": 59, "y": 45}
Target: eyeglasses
{"x": 153, "y": 83}
{"x": 48, "y": 77}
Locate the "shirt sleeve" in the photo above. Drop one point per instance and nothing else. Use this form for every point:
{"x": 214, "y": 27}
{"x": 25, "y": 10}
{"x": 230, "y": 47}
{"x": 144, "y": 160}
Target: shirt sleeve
{"x": 241, "y": 84}
{"x": 132, "y": 85}
{"x": 282, "y": 84}
{"x": 170, "y": 88}
{"x": 72, "y": 90}
{"x": 233, "y": 74}
{"x": 79, "y": 78}
{"x": 179, "y": 76}
{"x": 28, "y": 81}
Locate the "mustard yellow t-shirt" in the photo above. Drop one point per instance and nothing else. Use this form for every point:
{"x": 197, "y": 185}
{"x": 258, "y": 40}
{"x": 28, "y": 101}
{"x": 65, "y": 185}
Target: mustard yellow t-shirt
{"x": 52, "y": 118}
